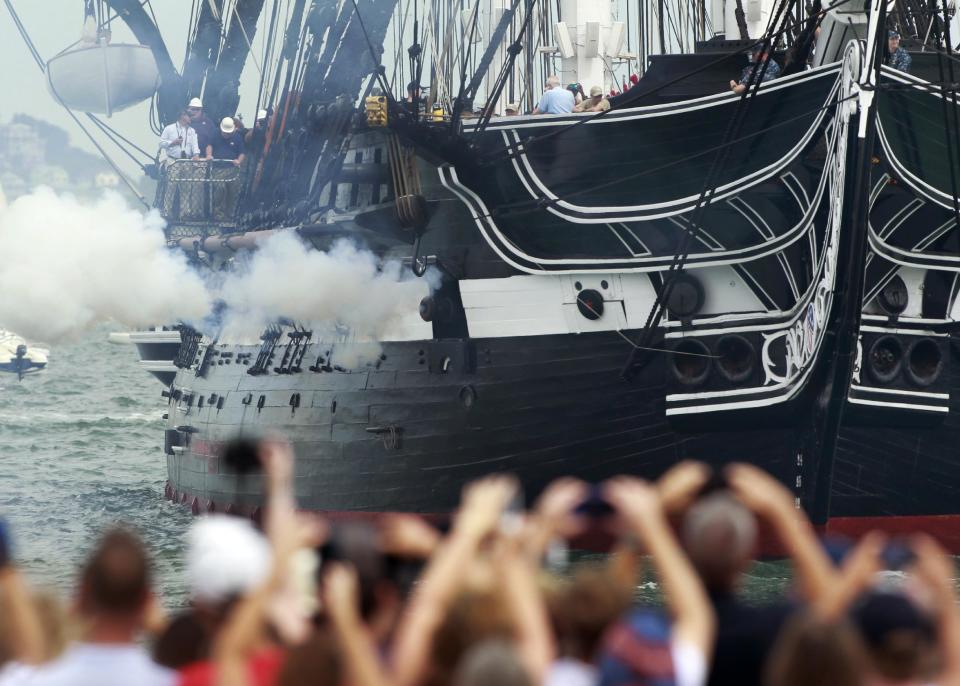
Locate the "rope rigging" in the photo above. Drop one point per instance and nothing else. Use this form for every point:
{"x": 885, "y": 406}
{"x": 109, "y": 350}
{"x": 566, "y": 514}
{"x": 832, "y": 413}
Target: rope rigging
{"x": 636, "y": 358}
{"x": 42, "y": 65}
{"x": 510, "y": 150}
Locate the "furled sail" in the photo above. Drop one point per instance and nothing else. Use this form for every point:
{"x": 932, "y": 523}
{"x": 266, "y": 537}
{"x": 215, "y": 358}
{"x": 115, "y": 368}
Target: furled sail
{"x": 103, "y": 78}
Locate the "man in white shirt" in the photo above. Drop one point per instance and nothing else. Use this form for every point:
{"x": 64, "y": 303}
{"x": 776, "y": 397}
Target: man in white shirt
{"x": 114, "y": 597}
{"x": 555, "y": 100}
{"x": 179, "y": 140}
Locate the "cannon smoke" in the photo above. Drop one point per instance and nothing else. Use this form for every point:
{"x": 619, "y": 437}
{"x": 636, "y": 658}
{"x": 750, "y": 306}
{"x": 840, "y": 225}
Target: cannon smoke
{"x": 68, "y": 266}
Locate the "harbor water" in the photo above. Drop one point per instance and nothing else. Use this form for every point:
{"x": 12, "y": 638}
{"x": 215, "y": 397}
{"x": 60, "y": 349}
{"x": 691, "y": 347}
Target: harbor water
{"x": 81, "y": 448}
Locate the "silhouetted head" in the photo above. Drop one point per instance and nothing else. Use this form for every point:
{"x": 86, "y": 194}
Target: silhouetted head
{"x": 900, "y": 638}
{"x": 720, "y": 536}
{"x": 115, "y": 582}
{"x": 185, "y": 640}
{"x": 583, "y": 608}
{"x": 491, "y": 662}
{"x": 811, "y": 650}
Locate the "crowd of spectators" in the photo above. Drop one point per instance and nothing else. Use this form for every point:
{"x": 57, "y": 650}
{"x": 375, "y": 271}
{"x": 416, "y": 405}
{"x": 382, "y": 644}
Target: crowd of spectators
{"x": 492, "y": 598}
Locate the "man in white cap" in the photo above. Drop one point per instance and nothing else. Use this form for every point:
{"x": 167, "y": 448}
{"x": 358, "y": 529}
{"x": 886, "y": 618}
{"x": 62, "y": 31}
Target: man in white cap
{"x": 201, "y": 123}
{"x": 228, "y": 145}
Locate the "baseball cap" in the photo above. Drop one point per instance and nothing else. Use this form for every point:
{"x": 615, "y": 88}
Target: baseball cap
{"x": 226, "y": 557}
{"x": 595, "y": 91}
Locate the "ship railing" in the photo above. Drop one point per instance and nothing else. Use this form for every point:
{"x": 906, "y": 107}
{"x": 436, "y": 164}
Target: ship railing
{"x": 199, "y": 197}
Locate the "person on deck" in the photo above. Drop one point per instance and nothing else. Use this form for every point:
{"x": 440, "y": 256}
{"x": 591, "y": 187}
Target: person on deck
{"x": 228, "y": 146}
{"x": 179, "y": 141}
{"x": 556, "y": 99}
{"x": 758, "y": 58}
{"x": 593, "y": 102}
{"x": 897, "y": 57}
{"x": 206, "y": 129}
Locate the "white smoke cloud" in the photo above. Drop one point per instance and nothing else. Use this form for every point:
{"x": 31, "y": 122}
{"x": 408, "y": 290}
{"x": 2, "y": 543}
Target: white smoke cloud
{"x": 346, "y": 288}
{"x": 66, "y": 265}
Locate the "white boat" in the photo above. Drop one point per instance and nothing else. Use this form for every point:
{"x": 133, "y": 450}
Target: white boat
{"x": 19, "y": 357}
{"x": 103, "y": 78}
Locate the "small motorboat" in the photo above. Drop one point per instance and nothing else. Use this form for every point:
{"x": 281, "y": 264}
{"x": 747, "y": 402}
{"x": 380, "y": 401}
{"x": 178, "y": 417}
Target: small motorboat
{"x": 19, "y": 357}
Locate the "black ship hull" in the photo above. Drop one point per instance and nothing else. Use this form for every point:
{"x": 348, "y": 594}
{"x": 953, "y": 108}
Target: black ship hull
{"x": 495, "y": 388}
{"x": 405, "y": 435}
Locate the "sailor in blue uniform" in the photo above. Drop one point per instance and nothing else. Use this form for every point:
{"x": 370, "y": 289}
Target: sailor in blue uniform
{"x": 897, "y": 57}
{"x": 758, "y": 56}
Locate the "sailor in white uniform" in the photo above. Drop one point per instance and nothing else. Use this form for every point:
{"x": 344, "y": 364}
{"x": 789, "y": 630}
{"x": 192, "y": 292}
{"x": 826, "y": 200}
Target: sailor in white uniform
{"x": 179, "y": 141}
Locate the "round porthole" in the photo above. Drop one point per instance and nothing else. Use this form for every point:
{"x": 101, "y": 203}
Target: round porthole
{"x": 590, "y": 304}
{"x": 686, "y": 296}
{"x": 736, "y": 358}
{"x": 924, "y": 362}
{"x": 893, "y": 297}
{"x": 885, "y": 358}
{"x": 690, "y": 362}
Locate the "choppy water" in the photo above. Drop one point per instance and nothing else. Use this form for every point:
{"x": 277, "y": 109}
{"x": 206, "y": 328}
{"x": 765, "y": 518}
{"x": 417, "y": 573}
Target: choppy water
{"x": 81, "y": 448}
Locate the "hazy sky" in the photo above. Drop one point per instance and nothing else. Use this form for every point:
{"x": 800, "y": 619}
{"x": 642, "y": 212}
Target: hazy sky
{"x": 55, "y": 24}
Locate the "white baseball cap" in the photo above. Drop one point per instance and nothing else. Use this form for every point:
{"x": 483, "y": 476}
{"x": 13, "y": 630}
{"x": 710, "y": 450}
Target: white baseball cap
{"x": 225, "y": 557}
{"x": 512, "y": 107}
{"x": 227, "y": 125}
{"x": 261, "y": 114}
{"x": 196, "y": 102}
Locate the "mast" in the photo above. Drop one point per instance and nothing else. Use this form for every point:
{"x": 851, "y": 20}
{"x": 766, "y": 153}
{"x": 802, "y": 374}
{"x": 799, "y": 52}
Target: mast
{"x": 204, "y": 47}
{"x": 589, "y": 23}
{"x": 223, "y": 84}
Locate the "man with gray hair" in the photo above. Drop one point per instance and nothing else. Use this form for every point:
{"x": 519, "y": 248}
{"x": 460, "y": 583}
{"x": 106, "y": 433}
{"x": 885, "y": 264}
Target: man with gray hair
{"x": 555, "y": 100}
{"x": 720, "y": 537}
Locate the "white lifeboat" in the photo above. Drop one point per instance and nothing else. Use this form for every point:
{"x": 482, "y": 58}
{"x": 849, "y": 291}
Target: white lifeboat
{"x": 103, "y": 78}
{"x": 19, "y": 357}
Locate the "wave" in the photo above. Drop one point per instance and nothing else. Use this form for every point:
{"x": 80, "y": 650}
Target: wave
{"x": 59, "y": 419}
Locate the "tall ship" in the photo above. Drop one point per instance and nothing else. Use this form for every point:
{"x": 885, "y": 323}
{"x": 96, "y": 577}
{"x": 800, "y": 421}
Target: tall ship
{"x": 691, "y": 269}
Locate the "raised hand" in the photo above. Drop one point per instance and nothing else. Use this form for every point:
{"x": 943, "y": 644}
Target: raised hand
{"x": 408, "y": 535}
{"x": 341, "y": 596}
{"x": 277, "y": 459}
{"x": 758, "y": 490}
{"x": 635, "y": 499}
{"x": 681, "y": 483}
{"x": 933, "y": 567}
{"x": 483, "y": 502}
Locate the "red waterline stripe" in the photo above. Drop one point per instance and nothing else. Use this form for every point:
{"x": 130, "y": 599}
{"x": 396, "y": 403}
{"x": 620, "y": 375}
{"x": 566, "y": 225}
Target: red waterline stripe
{"x": 944, "y": 528}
